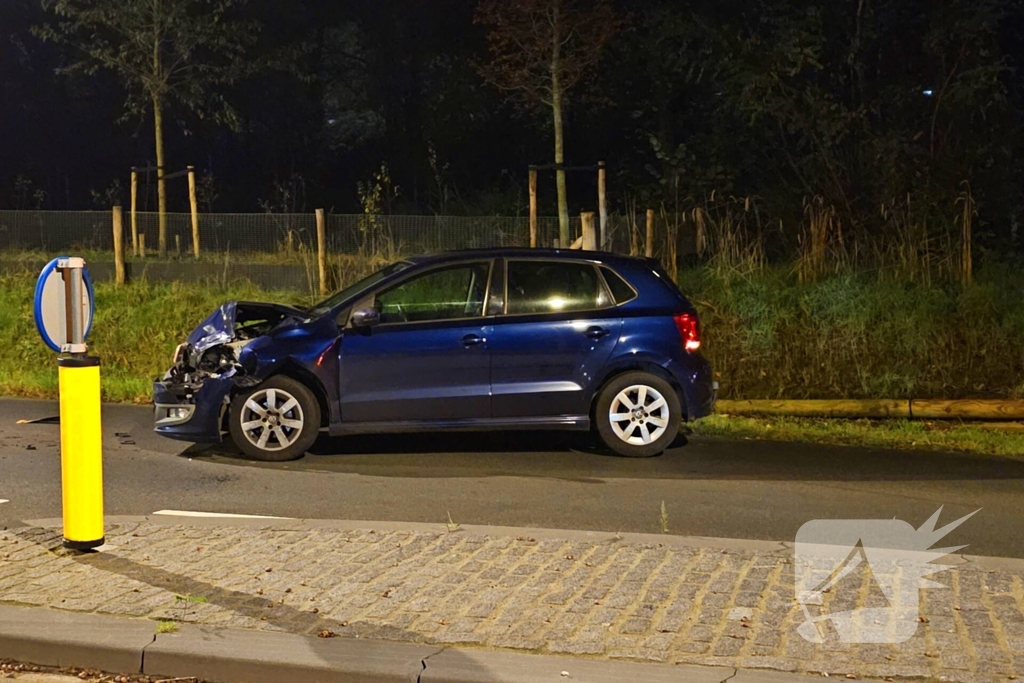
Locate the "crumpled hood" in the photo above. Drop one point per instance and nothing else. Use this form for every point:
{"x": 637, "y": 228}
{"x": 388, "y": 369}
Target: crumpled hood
{"x": 222, "y": 326}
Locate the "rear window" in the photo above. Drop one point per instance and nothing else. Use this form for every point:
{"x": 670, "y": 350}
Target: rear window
{"x": 554, "y": 287}
{"x": 620, "y": 289}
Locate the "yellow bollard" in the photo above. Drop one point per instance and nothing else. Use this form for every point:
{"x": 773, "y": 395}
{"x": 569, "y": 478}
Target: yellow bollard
{"x": 81, "y": 452}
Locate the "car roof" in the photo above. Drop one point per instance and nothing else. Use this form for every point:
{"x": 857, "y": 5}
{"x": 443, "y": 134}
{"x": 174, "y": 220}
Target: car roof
{"x": 519, "y": 252}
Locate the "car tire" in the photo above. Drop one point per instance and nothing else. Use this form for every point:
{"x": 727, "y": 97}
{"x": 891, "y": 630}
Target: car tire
{"x": 638, "y": 414}
{"x": 282, "y": 414}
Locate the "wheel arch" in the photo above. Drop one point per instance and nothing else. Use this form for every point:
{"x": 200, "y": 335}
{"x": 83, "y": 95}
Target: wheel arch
{"x": 636, "y": 365}
{"x": 305, "y": 377}
{"x": 295, "y": 371}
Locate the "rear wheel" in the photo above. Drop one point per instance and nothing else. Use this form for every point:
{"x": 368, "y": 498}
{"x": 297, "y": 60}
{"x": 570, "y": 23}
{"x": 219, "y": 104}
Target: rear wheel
{"x": 638, "y": 414}
{"x": 276, "y": 421}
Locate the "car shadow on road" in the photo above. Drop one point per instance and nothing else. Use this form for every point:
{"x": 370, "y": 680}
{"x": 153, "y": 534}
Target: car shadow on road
{"x": 578, "y": 457}
{"x": 571, "y": 456}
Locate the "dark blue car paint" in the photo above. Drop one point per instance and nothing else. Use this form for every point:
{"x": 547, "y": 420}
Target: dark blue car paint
{"x": 542, "y": 366}
{"x": 491, "y": 371}
{"x": 417, "y": 371}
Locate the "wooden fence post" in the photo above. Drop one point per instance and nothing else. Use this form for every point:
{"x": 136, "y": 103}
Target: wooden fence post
{"x": 589, "y": 231}
{"x": 533, "y": 208}
{"x": 142, "y": 245}
{"x": 602, "y": 202}
{"x": 195, "y": 209}
{"x": 649, "y": 245}
{"x": 321, "y": 250}
{"x": 118, "y": 246}
{"x": 134, "y": 218}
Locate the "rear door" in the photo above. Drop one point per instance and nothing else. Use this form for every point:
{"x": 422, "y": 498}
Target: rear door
{"x": 558, "y": 328}
{"x": 427, "y": 360}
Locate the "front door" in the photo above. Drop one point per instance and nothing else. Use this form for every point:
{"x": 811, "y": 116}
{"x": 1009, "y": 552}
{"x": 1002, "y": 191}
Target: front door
{"x": 428, "y": 358}
{"x": 558, "y": 329}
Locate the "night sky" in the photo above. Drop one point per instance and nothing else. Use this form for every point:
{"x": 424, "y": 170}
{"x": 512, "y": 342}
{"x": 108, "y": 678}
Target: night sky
{"x": 856, "y": 101}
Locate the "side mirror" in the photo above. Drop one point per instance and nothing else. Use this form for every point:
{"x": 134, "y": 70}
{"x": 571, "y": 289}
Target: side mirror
{"x": 364, "y": 318}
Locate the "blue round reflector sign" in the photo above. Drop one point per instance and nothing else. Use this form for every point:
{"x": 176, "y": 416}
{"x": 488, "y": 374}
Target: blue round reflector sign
{"x": 51, "y": 311}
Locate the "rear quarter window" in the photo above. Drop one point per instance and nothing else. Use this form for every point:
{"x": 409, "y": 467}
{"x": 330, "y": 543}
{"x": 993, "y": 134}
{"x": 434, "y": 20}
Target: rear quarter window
{"x": 620, "y": 289}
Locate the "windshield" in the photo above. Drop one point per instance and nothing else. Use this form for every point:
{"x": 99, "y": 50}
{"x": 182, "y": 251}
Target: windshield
{"x": 353, "y": 289}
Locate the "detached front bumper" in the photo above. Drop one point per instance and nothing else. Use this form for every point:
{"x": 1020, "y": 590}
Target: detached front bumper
{"x": 191, "y": 412}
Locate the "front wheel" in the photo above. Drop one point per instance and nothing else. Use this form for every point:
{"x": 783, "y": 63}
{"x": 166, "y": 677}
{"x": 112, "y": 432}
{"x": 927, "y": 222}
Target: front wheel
{"x": 638, "y": 414}
{"x": 276, "y": 421}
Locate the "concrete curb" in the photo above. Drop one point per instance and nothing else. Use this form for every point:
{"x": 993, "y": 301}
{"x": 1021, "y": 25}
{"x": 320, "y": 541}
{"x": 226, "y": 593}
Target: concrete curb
{"x": 287, "y": 524}
{"x": 124, "y": 645}
{"x": 981, "y": 562}
{"x": 54, "y": 638}
{"x": 227, "y": 656}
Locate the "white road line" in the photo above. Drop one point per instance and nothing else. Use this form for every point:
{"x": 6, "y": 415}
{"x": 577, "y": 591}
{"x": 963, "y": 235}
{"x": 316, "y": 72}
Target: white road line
{"x": 4, "y": 500}
{"x": 189, "y": 513}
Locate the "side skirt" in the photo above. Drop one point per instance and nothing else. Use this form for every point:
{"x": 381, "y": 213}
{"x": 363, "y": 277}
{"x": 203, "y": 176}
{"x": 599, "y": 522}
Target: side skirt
{"x": 562, "y": 422}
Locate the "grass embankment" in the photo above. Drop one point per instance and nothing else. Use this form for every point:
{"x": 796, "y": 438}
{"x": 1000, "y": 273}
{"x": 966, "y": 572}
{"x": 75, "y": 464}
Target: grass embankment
{"x": 861, "y": 335}
{"x": 768, "y": 336}
{"x": 136, "y": 330}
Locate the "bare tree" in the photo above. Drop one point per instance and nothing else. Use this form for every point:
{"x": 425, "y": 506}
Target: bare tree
{"x": 539, "y": 51}
{"x": 164, "y": 52}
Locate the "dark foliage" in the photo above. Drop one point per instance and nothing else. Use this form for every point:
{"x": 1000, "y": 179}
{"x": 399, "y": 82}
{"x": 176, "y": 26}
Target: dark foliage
{"x": 860, "y": 102}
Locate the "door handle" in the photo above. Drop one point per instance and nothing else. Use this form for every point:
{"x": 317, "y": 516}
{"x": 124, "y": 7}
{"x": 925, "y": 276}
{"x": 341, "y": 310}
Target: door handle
{"x": 596, "y": 332}
{"x": 473, "y": 340}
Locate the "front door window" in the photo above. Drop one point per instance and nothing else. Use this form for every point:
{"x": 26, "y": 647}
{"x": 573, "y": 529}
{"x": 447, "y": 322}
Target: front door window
{"x": 447, "y": 294}
{"x": 428, "y": 359}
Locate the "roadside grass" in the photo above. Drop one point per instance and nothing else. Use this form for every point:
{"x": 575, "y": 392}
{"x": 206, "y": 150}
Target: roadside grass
{"x": 166, "y": 626}
{"x": 860, "y": 335}
{"x": 136, "y": 330}
{"x": 897, "y": 434}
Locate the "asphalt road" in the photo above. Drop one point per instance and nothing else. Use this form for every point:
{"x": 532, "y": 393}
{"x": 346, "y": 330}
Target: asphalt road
{"x": 710, "y": 487}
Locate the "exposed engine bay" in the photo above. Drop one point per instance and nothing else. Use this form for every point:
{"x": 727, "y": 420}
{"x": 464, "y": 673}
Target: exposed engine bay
{"x": 214, "y": 349}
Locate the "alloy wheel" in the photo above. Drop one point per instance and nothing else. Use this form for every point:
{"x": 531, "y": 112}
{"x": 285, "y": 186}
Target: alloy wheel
{"x": 639, "y": 415}
{"x": 272, "y": 419}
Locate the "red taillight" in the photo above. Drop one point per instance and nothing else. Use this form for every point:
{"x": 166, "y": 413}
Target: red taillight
{"x": 689, "y": 330}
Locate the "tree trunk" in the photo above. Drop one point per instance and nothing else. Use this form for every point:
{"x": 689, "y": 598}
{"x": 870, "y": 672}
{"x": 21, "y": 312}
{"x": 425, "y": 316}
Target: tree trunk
{"x": 564, "y": 239}
{"x": 161, "y": 184}
{"x": 158, "y": 134}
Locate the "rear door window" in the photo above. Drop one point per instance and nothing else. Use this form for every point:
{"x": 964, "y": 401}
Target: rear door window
{"x": 554, "y": 287}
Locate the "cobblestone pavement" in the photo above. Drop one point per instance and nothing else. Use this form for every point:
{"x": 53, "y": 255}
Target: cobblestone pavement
{"x": 613, "y": 599}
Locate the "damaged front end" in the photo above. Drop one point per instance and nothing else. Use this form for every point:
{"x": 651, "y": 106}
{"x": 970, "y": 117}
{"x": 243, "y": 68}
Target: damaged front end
{"x": 193, "y": 395}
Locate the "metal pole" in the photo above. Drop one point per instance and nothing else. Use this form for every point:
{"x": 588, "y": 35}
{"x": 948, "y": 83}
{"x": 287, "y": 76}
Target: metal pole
{"x": 69, "y": 321}
{"x": 74, "y": 311}
{"x": 77, "y": 326}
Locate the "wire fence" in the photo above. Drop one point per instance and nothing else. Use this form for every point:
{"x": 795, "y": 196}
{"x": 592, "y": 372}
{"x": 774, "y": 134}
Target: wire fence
{"x": 281, "y": 250}
{"x": 266, "y": 235}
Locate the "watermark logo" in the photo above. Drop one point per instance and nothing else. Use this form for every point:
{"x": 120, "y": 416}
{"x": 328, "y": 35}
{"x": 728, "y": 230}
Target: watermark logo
{"x": 863, "y": 576}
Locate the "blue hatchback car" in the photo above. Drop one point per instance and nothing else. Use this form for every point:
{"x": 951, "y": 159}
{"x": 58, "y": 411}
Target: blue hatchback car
{"x": 472, "y": 340}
